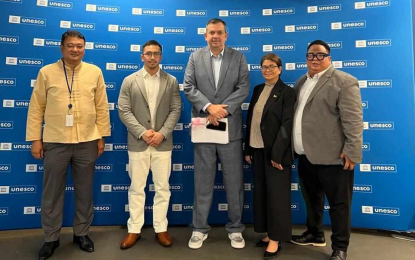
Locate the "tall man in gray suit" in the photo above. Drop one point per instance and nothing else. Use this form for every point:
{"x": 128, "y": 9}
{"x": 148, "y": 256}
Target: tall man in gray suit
{"x": 328, "y": 128}
{"x": 216, "y": 83}
{"x": 149, "y": 106}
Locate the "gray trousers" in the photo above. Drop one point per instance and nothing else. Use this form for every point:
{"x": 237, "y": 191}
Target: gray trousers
{"x": 57, "y": 158}
{"x": 205, "y": 171}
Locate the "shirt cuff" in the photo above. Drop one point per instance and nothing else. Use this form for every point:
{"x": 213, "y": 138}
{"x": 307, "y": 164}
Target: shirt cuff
{"x": 206, "y": 106}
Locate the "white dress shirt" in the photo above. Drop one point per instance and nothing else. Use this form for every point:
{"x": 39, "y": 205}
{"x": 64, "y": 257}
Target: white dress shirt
{"x": 152, "y": 85}
{"x": 216, "y": 64}
{"x": 305, "y": 92}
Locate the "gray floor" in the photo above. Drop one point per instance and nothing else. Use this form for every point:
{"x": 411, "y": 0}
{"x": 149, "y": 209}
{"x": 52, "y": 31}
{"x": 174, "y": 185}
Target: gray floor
{"x": 365, "y": 244}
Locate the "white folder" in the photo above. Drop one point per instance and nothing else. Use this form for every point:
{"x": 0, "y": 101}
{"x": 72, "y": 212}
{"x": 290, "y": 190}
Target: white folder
{"x": 201, "y": 134}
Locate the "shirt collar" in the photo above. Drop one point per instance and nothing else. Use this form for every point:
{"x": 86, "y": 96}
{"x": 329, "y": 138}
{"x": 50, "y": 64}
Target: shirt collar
{"x": 77, "y": 68}
{"x": 220, "y": 54}
{"x": 146, "y": 74}
{"x": 318, "y": 75}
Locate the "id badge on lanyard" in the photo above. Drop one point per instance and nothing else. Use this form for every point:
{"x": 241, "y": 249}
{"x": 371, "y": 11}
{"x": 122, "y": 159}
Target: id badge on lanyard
{"x": 69, "y": 116}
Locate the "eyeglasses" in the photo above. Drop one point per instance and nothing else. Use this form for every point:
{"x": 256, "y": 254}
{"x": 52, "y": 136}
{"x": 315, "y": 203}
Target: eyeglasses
{"x": 320, "y": 56}
{"x": 270, "y": 68}
{"x": 149, "y": 54}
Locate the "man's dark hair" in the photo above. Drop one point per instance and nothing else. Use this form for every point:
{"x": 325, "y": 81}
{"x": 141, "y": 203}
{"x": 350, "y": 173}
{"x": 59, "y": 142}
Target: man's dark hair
{"x": 71, "y": 33}
{"x": 320, "y": 42}
{"x": 215, "y": 21}
{"x": 152, "y": 42}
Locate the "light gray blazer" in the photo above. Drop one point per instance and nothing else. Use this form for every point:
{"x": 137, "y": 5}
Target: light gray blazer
{"x": 332, "y": 120}
{"x": 232, "y": 90}
{"x": 134, "y": 110}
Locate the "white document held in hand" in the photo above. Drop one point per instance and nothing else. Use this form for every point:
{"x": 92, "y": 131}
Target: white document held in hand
{"x": 201, "y": 134}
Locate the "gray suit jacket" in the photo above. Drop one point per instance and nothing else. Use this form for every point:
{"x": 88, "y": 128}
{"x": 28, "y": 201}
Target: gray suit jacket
{"x": 232, "y": 89}
{"x": 134, "y": 110}
{"x": 332, "y": 120}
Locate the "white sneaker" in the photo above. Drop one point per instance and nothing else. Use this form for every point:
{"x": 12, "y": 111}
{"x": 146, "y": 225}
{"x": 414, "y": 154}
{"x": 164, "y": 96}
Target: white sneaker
{"x": 196, "y": 241}
{"x": 237, "y": 241}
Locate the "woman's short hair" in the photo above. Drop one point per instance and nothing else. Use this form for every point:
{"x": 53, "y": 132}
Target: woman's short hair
{"x": 272, "y": 57}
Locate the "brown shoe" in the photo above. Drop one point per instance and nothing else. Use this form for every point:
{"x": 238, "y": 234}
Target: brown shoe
{"x": 129, "y": 240}
{"x": 164, "y": 239}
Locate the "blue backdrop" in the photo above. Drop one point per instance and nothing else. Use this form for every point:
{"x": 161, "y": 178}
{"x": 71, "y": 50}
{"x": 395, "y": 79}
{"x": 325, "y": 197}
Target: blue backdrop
{"x": 372, "y": 40}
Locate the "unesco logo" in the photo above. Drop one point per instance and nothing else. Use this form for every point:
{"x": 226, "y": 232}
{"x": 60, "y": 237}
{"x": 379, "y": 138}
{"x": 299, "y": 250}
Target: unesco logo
{"x": 6, "y": 125}
{"x": 55, "y": 4}
{"x": 7, "y": 82}
{"x": 254, "y": 67}
{"x": 245, "y": 106}
{"x": 169, "y": 30}
{"x": 4, "y": 189}
{"x": 181, "y": 207}
{"x": 111, "y": 106}
{"x": 187, "y": 49}
{"x": 234, "y": 13}
{"x": 15, "y": 61}
{"x": 69, "y": 188}
{"x": 20, "y": 189}
{"x": 295, "y": 206}
{"x": 102, "y": 8}
{"x": 365, "y": 147}
{"x": 378, "y": 125}
{"x": 385, "y": 83}
{"x": 241, "y": 48}
{"x": 16, "y": 103}
{"x": 77, "y": 25}
{"x": 247, "y": 207}
{"x": 348, "y": 25}
{"x": 34, "y": 168}
{"x": 102, "y": 208}
{"x": 114, "y": 188}
{"x": 27, "y": 20}
{"x": 101, "y": 46}
{"x": 172, "y": 67}
{"x": 373, "y": 43}
{"x": 219, "y": 187}
{"x": 148, "y": 208}
{"x": 278, "y": 47}
{"x": 278, "y": 11}
{"x": 324, "y": 8}
{"x": 362, "y": 188}
{"x": 294, "y": 186}
{"x": 294, "y": 167}
{"x": 248, "y": 186}
{"x": 9, "y": 39}
{"x": 371, "y": 4}
{"x": 387, "y": 168}
{"x": 146, "y": 11}
{"x": 103, "y": 168}
{"x": 380, "y": 210}
{"x": 5, "y": 146}
{"x": 135, "y": 48}
{"x": 256, "y": 30}
{"x": 32, "y": 210}
{"x": 296, "y": 66}
{"x": 122, "y": 66}
{"x": 191, "y": 13}
{"x": 5, "y": 168}
{"x": 177, "y": 147}
{"x": 12, "y": 1}
{"x": 108, "y": 147}
{"x": 201, "y": 30}
{"x": 358, "y": 64}
{"x": 124, "y": 28}
{"x": 178, "y": 127}
{"x": 335, "y": 45}
{"x": 120, "y": 147}
{"x": 223, "y": 207}
{"x": 46, "y": 42}
{"x": 301, "y": 28}
{"x": 110, "y": 85}
{"x": 4, "y": 211}
{"x": 178, "y": 167}
{"x": 365, "y": 104}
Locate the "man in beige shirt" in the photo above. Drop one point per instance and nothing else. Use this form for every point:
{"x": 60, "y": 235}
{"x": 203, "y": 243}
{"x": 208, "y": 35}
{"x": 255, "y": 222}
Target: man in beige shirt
{"x": 70, "y": 97}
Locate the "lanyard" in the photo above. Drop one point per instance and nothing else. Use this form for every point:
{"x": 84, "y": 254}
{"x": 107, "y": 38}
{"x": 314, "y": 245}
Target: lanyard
{"x": 67, "y": 83}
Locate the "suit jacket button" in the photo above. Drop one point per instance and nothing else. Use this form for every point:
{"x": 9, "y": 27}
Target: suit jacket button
{"x": 148, "y": 121}
{"x": 263, "y": 127}
{"x": 148, "y": 107}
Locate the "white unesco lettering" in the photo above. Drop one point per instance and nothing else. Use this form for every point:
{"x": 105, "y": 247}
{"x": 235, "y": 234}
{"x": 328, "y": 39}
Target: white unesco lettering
{"x": 34, "y": 21}
{"x": 262, "y": 29}
{"x": 239, "y": 13}
{"x": 103, "y": 46}
{"x": 361, "y": 188}
{"x": 128, "y": 66}
{"x": 29, "y": 62}
{"x": 241, "y": 48}
{"x": 288, "y": 47}
{"x": 7, "y": 82}
{"x": 173, "y": 67}
{"x": 102, "y": 208}
{"x": 152, "y": 12}
{"x": 111, "y": 9}
{"x": 371, "y": 4}
{"x": 3, "y": 211}
{"x": 9, "y": 39}
{"x": 5, "y": 168}
{"x": 196, "y": 13}
{"x": 28, "y": 189}
{"x": 283, "y": 11}
{"x": 6, "y": 125}
{"x": 87, "y": 26}
{"x": 174, "y": 30}
{"x": 323, "y": 8}
{"x": 386, "y": 211}
{"x": 295, "y": 206}
{"x": 254, "y": 67}
{"x": 335, "y": 45}
{"x": 175, "y": 187}
{"x": 312, "y": 27}
{"x": 103, "y": 167}
{"x": 124, "y": 28}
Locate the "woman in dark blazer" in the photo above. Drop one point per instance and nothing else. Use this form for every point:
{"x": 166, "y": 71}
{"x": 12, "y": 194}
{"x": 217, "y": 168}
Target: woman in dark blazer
{"x": 268, "y": 147}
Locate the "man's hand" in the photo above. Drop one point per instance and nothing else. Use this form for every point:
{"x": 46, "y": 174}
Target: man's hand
{"x": 37, "y": 149}
{"x": 276, "y": 165}
{"x": 101, "y": 146}
{"x": 148, "y": 134}
{"x": 156, "y": 139}
{"x": 348, "y": 164}
{"x": 213, "y": 120}
{"x": 248, "y": 159}
{"x": 218, "y": 111}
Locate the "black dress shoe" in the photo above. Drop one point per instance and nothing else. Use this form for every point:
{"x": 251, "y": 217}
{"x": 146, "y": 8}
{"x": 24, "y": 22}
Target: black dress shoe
{"x": 261, "y": 243}
{"x": 48, "y": 249}
{"x": 272, "y": 255}
{"x": 338, "y": 255}
{"x": 307, "y": 239}
{"x": 84, "y": 242}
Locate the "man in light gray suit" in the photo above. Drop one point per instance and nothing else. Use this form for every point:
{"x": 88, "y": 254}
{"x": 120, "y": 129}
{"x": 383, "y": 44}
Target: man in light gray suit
{"x": 149, "y": 106}
{"x": 328, "y": 129}
{"x": 216, "y": 83}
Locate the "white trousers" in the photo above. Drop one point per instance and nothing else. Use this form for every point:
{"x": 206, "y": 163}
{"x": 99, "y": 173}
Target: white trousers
{"x": 159, "y": 162}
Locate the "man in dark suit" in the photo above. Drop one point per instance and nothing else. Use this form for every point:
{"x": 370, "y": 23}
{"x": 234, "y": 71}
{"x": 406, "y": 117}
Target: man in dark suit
{"x": 216, "y": 83}
{"x": 327, "y": 135}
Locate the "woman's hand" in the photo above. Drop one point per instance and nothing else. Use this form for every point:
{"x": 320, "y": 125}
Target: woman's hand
{"x": 248, "y": 159}
{"x": 276, "y": 165}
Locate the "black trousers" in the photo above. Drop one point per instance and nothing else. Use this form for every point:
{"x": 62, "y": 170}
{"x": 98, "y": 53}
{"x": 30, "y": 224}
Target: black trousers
{"x": 272, "y": 198}
{"x": 337, "y": 184}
